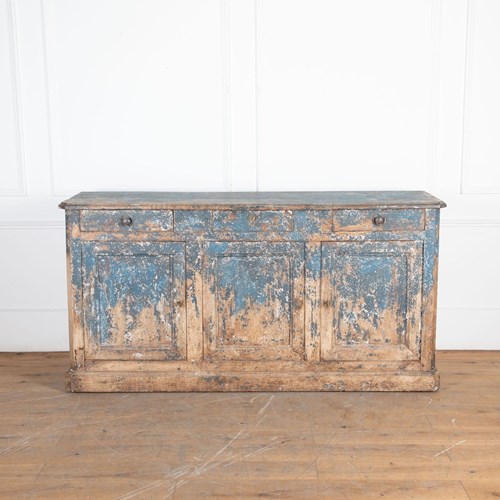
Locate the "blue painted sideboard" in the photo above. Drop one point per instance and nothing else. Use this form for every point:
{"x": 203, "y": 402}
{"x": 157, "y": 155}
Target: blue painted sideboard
{"x": 285, "y": 291}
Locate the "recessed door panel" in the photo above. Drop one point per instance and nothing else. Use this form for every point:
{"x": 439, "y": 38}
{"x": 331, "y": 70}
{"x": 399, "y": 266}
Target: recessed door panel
{"x": 371, "y": 300}
{"x": 253, "y": 301}
{"x": 134, "y": 300}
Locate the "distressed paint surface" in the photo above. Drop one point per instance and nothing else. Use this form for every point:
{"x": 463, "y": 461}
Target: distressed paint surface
{"x": 253, "y": 220}
{"x": 74, "y": 286}
{"x": 254, "y": 300}
{"x": 261, "y": 225}
{"x": 194, "y": 292}
{"x": 371, "y": 300}
{"x": 141, "y": 220}
{"x": 431, "y": 251}
{"x": 134, "y": 300}
{"x": 258, "y": 381}
{"x": 312, "y": 293}
{"x": 192, "y": 221}
{"x": 311, "y": 222}
{"x": 209, "y": 235}
{"x": 252, "y": 291}
{"x": 395, "y": 220}
{"x": 254, "y": 307}
{"x": 429, "y": 306}
{"x": 264, "y": 200}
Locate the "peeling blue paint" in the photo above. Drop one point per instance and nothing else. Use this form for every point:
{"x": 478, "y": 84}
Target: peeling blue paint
{"x": 252, "y": 285}
{"x": 193, "y": 266}
{"x": 140, "y": 220}
{"x": 394, "y": 220}
{"x": 125, "y": 279}
{"x": 261, "y": 270}
{"x": 254, "y": 279}
{"x": 431, "y": 248}
{"x": 136, "y": 282}
{"x": 73, "y": 247}
{"x": 313, "y": 263}
{"x": 377, "y": 276}
{"x": 187, "y": 221}
{"x": 253, "y": 220}
{"x": 313, "y": 221}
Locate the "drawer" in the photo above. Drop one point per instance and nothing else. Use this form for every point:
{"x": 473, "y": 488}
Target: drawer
{"x": 253, "y": 220}
{"x": 379, "y": 220}
{"x": 197, "y": 221}
{"x": 126, "y": 220}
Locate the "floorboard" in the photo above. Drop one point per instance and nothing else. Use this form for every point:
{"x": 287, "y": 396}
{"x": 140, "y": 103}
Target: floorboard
{"x": 442, "y": 445}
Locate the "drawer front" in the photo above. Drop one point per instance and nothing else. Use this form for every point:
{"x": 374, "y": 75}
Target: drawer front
{"x": 378, "y": 220}
{"x": 126, "y": 220}
{"x": 252, "y": 220}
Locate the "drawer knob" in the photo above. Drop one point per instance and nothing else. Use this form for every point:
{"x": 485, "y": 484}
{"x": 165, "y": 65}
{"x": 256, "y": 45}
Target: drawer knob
{"x": 378, "y": 220}
{"x": 126, "y": 221}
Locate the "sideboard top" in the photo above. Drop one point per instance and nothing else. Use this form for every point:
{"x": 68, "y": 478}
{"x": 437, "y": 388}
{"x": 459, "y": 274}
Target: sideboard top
{"x": 230, "y": 200}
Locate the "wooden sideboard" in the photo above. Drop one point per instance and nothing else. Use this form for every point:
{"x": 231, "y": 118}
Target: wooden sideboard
{"x": 284, "y": 291}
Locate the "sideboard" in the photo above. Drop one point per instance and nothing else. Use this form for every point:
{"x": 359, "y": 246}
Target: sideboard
{"x": 277, "y": 291}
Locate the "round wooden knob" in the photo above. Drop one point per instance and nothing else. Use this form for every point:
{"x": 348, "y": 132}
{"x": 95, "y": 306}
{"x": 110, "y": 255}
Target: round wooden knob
{"x": 126, "y": 221}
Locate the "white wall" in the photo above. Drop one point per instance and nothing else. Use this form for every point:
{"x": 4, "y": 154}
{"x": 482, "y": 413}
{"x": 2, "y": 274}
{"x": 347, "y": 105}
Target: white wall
{"x": 246, "y": 95}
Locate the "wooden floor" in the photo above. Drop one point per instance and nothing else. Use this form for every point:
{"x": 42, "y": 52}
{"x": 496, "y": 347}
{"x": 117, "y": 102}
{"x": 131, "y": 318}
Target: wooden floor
{"x": 442, "y": 445}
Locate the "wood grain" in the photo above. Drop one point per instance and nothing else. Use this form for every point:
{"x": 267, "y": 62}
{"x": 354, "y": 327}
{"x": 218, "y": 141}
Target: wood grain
{"x": 443, "y": 445}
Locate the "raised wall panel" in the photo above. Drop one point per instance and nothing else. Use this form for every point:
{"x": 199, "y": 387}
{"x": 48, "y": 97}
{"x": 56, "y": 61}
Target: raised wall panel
{"x": 11, "y": 161}
{"x": 34, "y": 330}
{"x": 135, "y": 95}
{"x": 481, "y": 147}
{"x": 468, "y": 298}
{"x": 239, "y": 89}
{"x": 468, "y": 268}
{"x": 33, "y": 268}
{"x": 467, "y": 328}
{"x": 346, "y": 93}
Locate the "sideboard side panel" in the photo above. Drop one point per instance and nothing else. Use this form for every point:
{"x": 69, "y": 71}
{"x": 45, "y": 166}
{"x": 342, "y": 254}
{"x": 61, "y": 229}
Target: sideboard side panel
{"x": 429, "y": 300}
{"x": 74, "y": 277}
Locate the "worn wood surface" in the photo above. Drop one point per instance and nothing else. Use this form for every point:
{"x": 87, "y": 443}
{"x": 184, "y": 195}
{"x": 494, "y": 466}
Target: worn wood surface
{"x": 254, "y": 301}
{"x": 443, "y": 445}
{"x": 134, "y": 300}
{"x": 113, "y": 220}
{"x": 394, "y": 220}
{"x": 372, "y": 300}
{"x": 74, "y": 289}
{"x": 225, "y": 200}
{"x": 244, "y": 292}
{"x": 214, "y": 380}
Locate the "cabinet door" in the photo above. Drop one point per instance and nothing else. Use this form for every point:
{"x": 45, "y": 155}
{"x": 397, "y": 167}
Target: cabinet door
{"x": 253, "y": 305}
{"x": 134, "y": 300}
{"x": 371, "y": 300}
